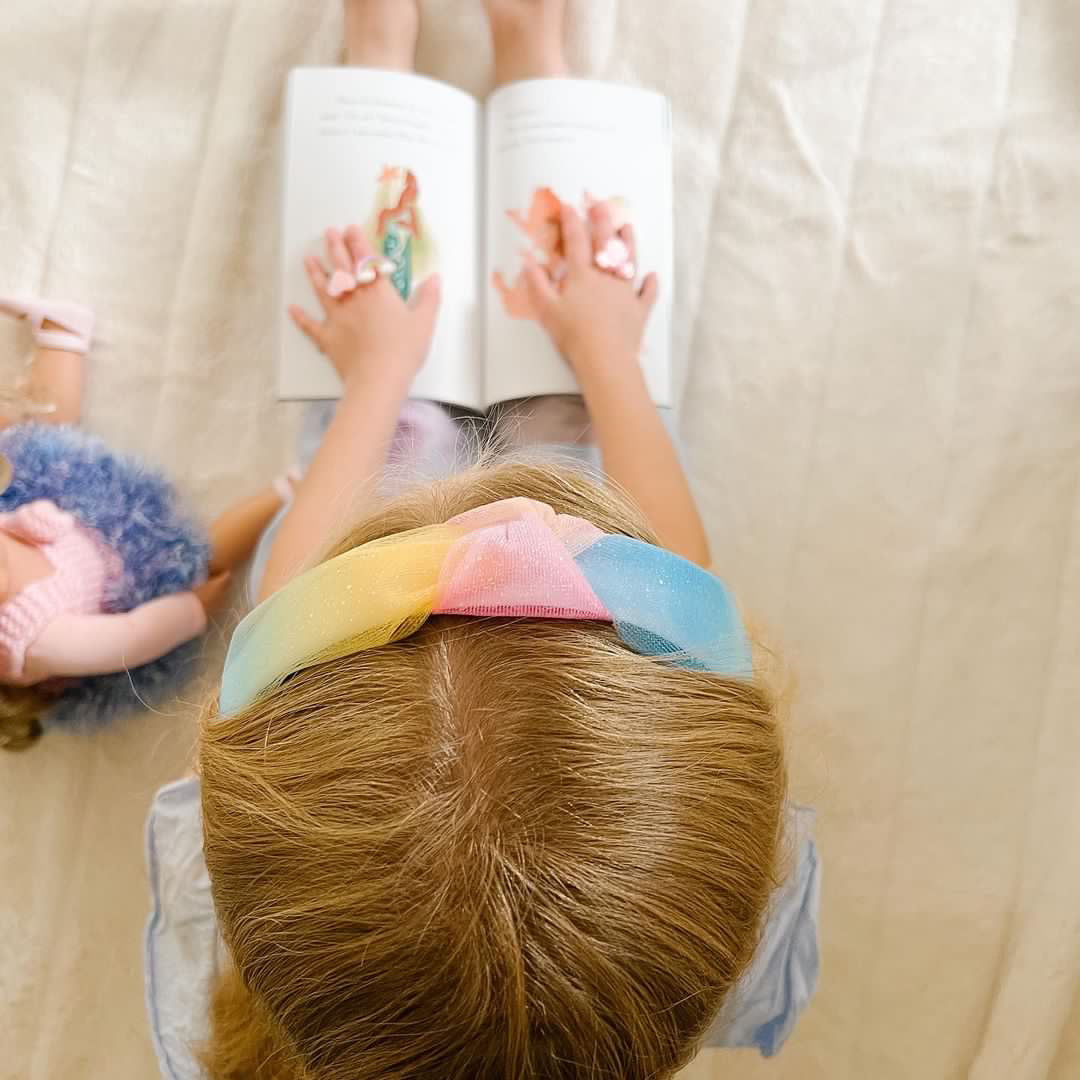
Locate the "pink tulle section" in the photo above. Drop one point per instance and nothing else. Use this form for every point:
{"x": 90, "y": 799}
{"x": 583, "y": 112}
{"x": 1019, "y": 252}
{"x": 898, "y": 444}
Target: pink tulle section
{"x": 575, "y": 533}
{"x": 518, "y": 559}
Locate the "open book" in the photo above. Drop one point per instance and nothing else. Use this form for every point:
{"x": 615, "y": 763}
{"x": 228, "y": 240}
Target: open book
{"x": 440, "y": 182}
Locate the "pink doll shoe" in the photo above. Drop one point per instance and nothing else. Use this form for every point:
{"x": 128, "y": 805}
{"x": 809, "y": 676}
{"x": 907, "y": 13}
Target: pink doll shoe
{"x": 76, "y": 320}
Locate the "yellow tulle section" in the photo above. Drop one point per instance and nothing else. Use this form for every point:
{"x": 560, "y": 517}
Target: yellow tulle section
{"x": 368, "y": 597}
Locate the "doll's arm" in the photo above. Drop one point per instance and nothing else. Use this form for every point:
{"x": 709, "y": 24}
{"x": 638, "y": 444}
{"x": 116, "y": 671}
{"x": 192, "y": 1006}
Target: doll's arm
{"x": 77, "y": 645}
{"x": 40, "y": 522}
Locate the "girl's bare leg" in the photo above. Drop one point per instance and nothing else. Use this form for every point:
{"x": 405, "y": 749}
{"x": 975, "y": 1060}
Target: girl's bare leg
{"x": 56, "y": 379}
{"x": 381, "y": 33}
{"x": 235, "y": 533}
{"x": 528, "y": 39}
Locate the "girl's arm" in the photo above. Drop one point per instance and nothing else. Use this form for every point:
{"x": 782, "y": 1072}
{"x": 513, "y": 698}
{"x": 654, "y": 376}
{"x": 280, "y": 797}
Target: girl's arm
{"x": 638, "y": 454}
{"x": 352, "y": 452}
{"x": 598, "y": 321}
{"x": 377, "y": 343}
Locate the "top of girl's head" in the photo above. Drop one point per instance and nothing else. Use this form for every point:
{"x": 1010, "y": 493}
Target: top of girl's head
{"x": 494, "y": 848}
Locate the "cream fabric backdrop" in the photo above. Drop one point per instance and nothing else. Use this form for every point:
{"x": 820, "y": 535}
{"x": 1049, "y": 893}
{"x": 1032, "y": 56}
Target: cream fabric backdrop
{"x": 878, "y": 227}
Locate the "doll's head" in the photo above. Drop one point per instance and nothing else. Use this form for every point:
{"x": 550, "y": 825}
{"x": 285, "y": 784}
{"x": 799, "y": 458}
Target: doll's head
{"x": 494, "y": 848}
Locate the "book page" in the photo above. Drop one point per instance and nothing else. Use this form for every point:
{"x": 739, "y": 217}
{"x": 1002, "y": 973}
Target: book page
{"x": 398, "y": 155}
{"x": 573, "y": 141}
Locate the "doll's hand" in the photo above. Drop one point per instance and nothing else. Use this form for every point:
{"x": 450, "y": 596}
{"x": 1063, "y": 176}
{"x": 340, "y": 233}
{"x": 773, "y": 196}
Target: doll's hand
{"x": 212, "y": 592}
{"x": 370, "y": 332}
{"x": 595, "y": 319}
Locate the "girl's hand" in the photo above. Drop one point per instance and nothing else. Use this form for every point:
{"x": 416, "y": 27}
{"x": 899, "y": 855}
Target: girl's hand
{"x": 370, "y": 333}
{"x": 212, "y": 592}
{"x": 594, "y": 318}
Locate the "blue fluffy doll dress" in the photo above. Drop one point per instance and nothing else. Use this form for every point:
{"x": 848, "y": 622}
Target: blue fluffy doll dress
{"x": 138, "y": 514}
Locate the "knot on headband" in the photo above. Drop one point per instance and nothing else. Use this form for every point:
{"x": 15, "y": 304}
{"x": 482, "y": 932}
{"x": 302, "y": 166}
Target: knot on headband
{"x": 511, "y": 558}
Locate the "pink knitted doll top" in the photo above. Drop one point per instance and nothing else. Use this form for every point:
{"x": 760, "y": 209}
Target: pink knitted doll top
{"x": 55, "y": 627}
{"x": 82, "y": 563}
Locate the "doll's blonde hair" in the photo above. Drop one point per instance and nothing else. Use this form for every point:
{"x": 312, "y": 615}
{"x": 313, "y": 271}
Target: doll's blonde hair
{"x": 498, "y": 848}
{"x": 21, "y": 710}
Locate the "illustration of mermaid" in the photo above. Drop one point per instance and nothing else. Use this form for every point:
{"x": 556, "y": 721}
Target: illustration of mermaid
{"x": 397, "y": 229}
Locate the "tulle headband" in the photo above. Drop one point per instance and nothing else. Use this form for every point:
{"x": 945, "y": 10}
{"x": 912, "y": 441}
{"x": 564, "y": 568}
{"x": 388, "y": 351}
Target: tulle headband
{"x": 511, "y": 558}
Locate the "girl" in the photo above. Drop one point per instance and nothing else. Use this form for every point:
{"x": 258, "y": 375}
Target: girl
{"x": 493, "y": 790}
{"x": 99, "y": 566}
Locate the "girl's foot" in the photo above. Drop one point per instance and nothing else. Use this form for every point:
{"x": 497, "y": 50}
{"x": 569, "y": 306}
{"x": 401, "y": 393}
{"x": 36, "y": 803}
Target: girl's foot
{"x": 381, "y": 33}
{"x": 528, "y": 39}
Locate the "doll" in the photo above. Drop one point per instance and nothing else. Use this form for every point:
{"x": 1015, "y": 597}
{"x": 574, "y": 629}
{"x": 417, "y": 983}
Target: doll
{"x": 106, "y": 580}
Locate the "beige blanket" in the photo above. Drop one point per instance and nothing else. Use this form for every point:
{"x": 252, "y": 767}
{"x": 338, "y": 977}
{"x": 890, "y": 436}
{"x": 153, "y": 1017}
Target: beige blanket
{"x": 878, "y": 310}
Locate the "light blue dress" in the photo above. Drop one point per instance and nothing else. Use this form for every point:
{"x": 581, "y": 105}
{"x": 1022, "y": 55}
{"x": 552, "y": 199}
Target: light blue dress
{"x": 184, "y": 952}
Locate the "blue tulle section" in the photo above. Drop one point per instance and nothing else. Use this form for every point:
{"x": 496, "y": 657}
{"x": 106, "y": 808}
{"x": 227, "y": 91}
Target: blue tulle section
{"x": 137, "y": 511}
{"x": 664, "y": 605}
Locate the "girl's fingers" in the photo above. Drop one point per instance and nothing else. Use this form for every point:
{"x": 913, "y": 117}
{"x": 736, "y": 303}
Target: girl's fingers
{"x": 601, "y": 226}
{"x": 310, "y": 327}
{"x": 212, "y": 592}
{"x": 337, "y": 252}
{"x": 357, "y": 244}
{"x": 541, "y": 290}
{"x": 575, "y": 239}
{"x": 627, "y": 235}
{"x": 650, "y": 290}
{"x": 316, "y": 273}
{"x": 425, "y": 304}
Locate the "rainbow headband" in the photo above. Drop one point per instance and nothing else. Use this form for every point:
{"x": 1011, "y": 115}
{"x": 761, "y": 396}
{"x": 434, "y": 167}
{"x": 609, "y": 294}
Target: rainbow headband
{"x": 511, "y": 558}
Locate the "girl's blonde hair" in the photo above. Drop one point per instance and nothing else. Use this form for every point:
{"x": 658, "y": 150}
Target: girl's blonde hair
{"x": 498, "y": 848}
